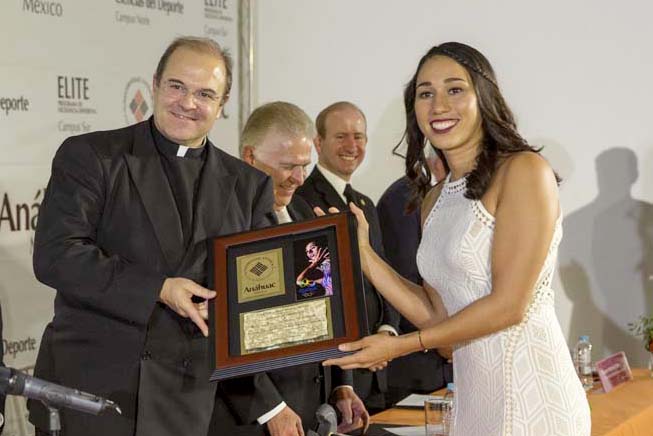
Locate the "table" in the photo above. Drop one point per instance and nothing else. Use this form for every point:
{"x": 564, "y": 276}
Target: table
{"x": 626, "y": 411}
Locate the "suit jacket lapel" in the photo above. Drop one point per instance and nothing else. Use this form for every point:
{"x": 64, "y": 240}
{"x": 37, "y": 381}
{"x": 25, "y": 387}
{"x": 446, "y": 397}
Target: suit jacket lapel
{"x": 292, "y": 212}
{"x": 214, "y": 196}
{"x": 299, "y": 210}
{"x": 327, "y": 191}
{"x": 147, "y": 174}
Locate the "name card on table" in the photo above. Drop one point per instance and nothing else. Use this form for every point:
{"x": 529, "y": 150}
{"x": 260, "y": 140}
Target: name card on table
{"x": 613, "y": 371}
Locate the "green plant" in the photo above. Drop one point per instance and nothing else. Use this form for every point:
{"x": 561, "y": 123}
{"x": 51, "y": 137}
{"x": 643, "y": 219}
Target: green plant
{"x": 644, "y": 328}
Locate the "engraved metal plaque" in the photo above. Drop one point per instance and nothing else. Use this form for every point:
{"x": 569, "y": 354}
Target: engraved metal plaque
{"x": 285, "y": 326}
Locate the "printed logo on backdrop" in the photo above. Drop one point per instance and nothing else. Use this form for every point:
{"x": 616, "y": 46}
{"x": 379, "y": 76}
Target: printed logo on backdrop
{"x": 74, "y": 95}
{"x": 8, "y": 105}
{"x": 20, "y": 215}
{"x": 222, "y": 10}
{"x": 70, "y": 128}
{"x": 16, "y": 407}
{"x": 167, "y": 7}
{"x": 43, "y": 7}
{"x": 12, "y": 348}
{"x": 137, "y": 101}
{"x": 222, "y": 16}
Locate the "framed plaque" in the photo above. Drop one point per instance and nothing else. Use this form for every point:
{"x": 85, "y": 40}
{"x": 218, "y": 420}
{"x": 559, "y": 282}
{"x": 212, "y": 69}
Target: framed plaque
{"x": 286, "y": 295}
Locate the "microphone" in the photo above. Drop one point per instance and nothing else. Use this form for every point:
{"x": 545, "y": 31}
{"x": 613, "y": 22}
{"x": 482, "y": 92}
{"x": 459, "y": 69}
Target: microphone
{"x": 327, "y": 421}
{"x": 14, "y": 382}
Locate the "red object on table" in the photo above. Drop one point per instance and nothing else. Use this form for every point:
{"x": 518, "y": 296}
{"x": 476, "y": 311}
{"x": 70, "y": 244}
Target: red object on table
{"x": 613, "y": 371}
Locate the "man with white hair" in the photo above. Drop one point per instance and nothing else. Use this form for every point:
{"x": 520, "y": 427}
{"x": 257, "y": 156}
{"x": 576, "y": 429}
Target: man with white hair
{"x": 277, "y": 140}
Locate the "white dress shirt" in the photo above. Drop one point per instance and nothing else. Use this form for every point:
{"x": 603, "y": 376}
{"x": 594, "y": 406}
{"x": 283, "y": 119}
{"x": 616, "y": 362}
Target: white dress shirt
{"x": 338, "y": 183}
{"x": 283, "y": 216}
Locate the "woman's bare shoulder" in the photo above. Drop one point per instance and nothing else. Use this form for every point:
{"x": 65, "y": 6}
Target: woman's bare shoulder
{"x": 523, "y": 163}
{"x": 520, "y": 168}
{"x": 525, "y": 176}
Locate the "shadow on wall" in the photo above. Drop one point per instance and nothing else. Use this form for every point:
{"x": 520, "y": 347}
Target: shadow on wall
{"x": 606, "y": 260}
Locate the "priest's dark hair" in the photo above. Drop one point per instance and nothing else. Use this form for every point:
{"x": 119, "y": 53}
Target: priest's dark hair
{"x": 203, "y": 45}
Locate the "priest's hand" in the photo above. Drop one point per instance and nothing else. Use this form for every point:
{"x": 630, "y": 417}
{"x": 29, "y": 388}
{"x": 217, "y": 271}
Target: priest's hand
{"x": 285, "y": 423}
{"x": 177, "y": 294}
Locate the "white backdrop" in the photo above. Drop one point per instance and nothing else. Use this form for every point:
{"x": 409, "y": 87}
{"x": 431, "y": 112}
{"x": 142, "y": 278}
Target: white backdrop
{"x": 578, "y": 77}
{"x": 67, "y": 67}
{"x": 577, "y": 74}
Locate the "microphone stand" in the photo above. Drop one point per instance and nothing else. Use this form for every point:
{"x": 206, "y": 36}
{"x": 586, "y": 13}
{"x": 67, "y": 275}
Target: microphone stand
{"x": 54, "y": 421}
{"x": 13, "y": 382}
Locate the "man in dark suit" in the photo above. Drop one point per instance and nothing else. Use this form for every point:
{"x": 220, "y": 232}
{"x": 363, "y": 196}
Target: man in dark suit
{"x": 122, "y": 238}
{"x": 416, "y": 372}
{"x": 277, "y": 140}
{"x": 340, "y": 143}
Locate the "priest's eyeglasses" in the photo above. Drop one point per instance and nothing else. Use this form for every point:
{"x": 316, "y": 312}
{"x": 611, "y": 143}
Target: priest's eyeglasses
{"x": 177, "y": 90}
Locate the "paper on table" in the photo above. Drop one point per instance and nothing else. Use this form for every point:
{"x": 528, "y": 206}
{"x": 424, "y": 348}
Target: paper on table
{"x": 415, "y": 400}
{"x": 408, "y": 431}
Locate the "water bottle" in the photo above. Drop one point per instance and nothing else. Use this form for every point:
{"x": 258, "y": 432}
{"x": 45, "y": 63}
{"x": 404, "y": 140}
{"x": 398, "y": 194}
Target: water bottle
{"x": 447, "y": 420}
{"x": 583, "y": 360}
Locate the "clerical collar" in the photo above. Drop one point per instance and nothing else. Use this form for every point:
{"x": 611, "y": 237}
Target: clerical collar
{"x": 169, "y": 148}
{"x": 338, "y": 183}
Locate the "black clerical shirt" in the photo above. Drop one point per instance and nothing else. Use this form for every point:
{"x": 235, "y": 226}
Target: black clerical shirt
{"x": 183, "y": 168}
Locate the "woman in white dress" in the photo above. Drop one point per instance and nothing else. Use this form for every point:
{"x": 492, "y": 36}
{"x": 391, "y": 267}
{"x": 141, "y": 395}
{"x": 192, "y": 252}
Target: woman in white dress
{"x": 491, "y": 231}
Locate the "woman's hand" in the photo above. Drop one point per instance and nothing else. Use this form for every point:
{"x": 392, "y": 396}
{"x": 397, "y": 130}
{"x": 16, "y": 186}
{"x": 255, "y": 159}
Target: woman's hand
{"x": 373, "y": 352}
{"x": 363, "y": 231}
{"x": 363, "y": 227}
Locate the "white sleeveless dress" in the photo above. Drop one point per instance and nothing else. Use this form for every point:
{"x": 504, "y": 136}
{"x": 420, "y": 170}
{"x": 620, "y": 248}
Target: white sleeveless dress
{"x": 518, "y": 381}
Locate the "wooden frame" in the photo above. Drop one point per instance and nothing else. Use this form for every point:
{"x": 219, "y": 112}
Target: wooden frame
{"x": 345, "y": 313}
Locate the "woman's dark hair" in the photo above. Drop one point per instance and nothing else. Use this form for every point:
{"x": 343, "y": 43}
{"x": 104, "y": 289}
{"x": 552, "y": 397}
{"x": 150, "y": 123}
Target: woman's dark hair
{"x": 500, "y": 136}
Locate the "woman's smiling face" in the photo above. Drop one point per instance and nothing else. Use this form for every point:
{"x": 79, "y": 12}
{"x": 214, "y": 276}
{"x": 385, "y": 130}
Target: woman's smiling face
{"x": 446, "y": 106}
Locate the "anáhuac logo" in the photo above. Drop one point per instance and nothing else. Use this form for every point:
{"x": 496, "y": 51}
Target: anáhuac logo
{"x": 137, "y": 101}
{"x": 20, "y": 216}
{"x": 74, "y": 95}
{"x": 220, "y": 9}
{"x": 43, "y": 7}
{"x": 17, "y": 216}
{"x": 259, "y": 268}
